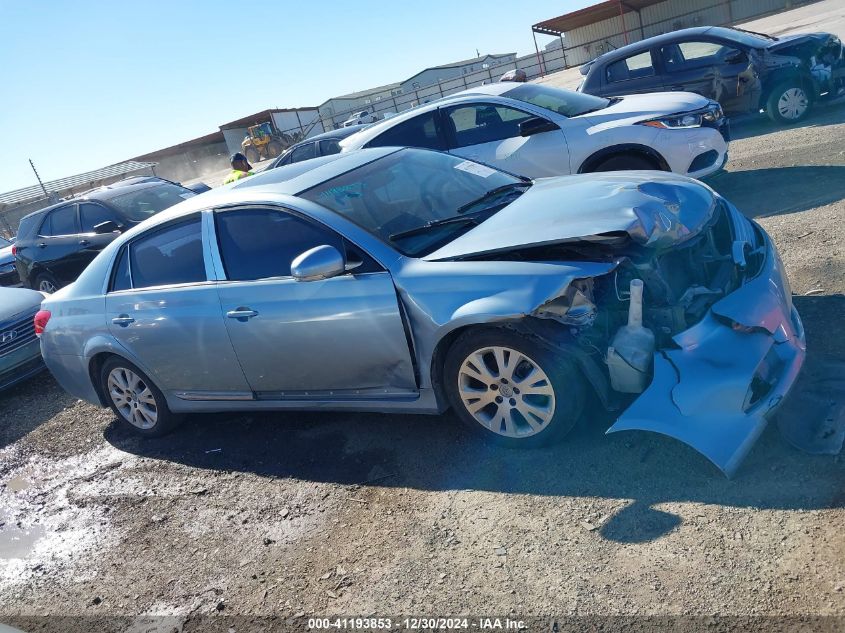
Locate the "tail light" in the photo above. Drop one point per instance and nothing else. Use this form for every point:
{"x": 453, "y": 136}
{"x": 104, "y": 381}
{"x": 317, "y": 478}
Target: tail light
{"x": 14, "y": 250}
{"x": 41, "y": 318}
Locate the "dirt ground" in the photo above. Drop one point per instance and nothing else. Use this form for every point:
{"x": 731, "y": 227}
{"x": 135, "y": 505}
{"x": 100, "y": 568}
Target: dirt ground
{"x": 310, "y": 514}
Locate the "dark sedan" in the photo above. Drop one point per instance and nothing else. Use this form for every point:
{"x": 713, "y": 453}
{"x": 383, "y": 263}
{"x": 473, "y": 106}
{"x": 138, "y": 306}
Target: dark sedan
{"x": 742, "y": 70}
{"x": 324, "y": 144}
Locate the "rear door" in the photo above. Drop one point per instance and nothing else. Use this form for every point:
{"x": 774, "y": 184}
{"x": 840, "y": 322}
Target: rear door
{"x": 632, "y": 75}
{"x": 57, "y": 247}
{"x": 490, "y": 133}
{"x": 164, "y": 311}
{"x": 334, "y": 339}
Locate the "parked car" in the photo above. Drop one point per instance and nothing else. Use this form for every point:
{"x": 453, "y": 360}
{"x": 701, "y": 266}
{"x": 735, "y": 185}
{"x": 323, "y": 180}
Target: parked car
{"x": 538, "y": 131}
{"x": 516, "y": 74}
{"x": 410, "y": 280}
{"x": 55, "y": 244}
{"x": 20, "y": 353}
{"x": 323, "y": 144}
{"x": 742, "y": 70}
{"x": 8, "y": 272}
{"x": 360, "y": 118}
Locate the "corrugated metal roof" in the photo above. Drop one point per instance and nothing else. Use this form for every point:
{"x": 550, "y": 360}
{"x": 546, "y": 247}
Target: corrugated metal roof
{"x": 589, "y": 15}
{"x": 62, "y": 184}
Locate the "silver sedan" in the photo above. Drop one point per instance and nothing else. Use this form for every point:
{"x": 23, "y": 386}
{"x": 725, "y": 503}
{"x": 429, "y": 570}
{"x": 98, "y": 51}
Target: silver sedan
{"x": 406, "y": 280}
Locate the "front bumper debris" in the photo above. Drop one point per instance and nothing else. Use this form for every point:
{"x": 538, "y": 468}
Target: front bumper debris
{"x": 730, "y": 371}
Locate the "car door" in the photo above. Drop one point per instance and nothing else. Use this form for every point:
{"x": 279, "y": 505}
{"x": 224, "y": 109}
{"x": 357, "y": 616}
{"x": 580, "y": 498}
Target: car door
{"x": 490, "y": 133}
{"x": 90, "y": 215}
{"x": 338, "y": 338}
{"x": 57, "y": 246}
{"x": 634, "y": 74}
{"x": 714, "y": 69}
{"x": 161, "y": 307}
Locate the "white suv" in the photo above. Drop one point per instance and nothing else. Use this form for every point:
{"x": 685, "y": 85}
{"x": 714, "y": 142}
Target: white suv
{"x": 537, "y": 131}
{"x": 357, "y": 118}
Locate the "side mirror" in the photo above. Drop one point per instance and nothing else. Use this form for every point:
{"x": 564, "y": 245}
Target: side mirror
{"x": 109, "y": 226}
{"x": 320, "y": 262}
{"x": 536, "y": 125}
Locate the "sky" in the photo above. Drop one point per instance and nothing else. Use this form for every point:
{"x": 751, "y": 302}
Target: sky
{"x": 89, "y": 83}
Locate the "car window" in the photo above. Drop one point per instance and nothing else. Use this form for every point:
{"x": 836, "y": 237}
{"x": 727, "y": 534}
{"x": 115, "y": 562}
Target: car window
{"x": 140, "y": 203}
{"x": 62, "y": 221}
{"x": 419, "y": 131}
{"x": 172, "y": 255}
{"x": 633, "y": 67}
{"x": 565, "y": 102}
{"x": 330, "y": 146}
{"x": 693, "y": 54}
{"x": 484, "y": 123}
{"x": 120, "y": 278}
{"x": 90, "y": 215}
{"x": 303, "y": 152}
{"x": 262, "y": 243}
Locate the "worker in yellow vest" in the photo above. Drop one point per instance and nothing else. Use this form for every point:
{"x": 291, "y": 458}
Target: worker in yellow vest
{"x": 240, "y": 168}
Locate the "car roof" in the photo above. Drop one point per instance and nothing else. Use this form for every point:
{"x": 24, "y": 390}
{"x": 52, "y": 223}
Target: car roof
{"x": 649, "y": 42}
{"x": 106, "y": 192}
{"x": 341, "y": 132}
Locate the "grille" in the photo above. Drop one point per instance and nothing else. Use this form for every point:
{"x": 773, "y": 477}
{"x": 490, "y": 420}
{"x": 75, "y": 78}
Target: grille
{"x": 17, "y": 332}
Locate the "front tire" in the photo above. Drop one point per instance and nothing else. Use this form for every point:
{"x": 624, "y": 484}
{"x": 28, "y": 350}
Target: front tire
{"x": 511, "y": 389}
{"x": 788, "y": 103}
{"x": 625, "y": 162}
{"x": 135, "y": 400}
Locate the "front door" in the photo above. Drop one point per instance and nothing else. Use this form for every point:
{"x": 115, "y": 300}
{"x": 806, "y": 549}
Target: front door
{"x": 163, "y": 310}
{"x": 91, "y": 243}
{"x": 339, "y": 338}
{"x": 489, "y": 133}
{"x": 715, "y": 70}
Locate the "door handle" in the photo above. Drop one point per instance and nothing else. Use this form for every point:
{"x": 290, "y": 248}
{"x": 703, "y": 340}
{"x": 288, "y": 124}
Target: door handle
{"x": 242, "y": 314}
{"x": 84, "y": 242}
{"x": 677, "y": 87}
{"x": 42, "y": 245}
{"x": 123, "y": 320}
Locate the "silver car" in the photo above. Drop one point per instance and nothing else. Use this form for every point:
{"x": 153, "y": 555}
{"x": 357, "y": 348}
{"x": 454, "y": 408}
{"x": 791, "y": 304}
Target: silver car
{"x": 406, "y": 280}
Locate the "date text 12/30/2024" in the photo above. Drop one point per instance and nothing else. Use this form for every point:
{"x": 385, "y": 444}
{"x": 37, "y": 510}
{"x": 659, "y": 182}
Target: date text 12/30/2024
{"x": 415, "y": 624}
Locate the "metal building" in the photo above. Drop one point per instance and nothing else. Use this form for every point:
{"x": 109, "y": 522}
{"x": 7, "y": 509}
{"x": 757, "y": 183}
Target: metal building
{"x": 587, "y": 33}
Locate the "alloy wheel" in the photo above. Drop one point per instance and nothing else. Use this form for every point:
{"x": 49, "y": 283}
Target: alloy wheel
{"x": 793, "y": 103}
{"x": 132, "y": 398}
{"x": 45, "y": 285}
{"x": 506, "y": 392}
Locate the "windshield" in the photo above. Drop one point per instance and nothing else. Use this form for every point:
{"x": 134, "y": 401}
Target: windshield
{"x": 142, "y": 203}
{"x": 409, "y": 198}
{"x": 565, "y": 102}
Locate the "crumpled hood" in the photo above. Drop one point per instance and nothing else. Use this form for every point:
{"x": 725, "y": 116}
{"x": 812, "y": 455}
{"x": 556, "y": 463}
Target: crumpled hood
{"x": 789, "y": 41}
{"x": 656, "y": 210}
{"x": 647, "y": 106}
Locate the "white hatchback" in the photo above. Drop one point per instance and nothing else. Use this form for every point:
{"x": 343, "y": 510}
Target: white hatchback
{"x": 537, "y": 131}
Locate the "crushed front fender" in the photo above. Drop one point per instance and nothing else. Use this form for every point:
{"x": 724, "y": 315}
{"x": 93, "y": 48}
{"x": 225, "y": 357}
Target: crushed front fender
{"x": 729, "y": 372}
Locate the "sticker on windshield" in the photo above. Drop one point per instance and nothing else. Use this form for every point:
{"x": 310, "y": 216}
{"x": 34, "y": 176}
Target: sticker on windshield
{"x": 475, "y": 168}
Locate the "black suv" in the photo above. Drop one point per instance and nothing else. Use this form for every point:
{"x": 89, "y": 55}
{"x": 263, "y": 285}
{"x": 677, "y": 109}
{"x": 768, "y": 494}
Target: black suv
{"x": 54, "y": 245}
{"x": 742, "y": 70}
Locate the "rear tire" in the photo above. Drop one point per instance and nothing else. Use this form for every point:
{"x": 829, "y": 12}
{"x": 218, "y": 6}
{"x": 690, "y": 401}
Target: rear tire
{"x": 136, "y": 401}
{"x": 788, "y": 103}
{"x": 534, "y": 399}
{"x": 624, "y": 162}
{"x": 45, "y": 282}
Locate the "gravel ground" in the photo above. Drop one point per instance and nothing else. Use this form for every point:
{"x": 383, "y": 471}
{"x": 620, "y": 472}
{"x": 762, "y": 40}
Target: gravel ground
{"x": 303, "y": 514}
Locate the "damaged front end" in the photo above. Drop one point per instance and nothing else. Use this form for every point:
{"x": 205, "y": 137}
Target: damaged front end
{"x": 819, "y": 56}
{"x": 696, "y": 318}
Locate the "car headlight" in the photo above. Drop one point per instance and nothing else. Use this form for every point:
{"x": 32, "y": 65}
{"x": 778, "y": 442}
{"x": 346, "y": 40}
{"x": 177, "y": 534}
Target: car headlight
{"x": 676, "y": 121}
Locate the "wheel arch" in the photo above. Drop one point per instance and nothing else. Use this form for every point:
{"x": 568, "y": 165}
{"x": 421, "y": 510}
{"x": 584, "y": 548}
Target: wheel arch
{"x": 98, "y": 350}
{"x": 784, "y": 75}
{"x": 623, "y": 149}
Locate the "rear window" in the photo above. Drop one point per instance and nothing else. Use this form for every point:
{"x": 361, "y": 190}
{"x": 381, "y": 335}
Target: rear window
{"x": 62, "y": 221}
{"x": 632, "y": 67}
{"x": 172, "y": 255}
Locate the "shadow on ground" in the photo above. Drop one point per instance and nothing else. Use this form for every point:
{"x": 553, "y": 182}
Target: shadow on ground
{"x": 434, "y": 453}
{"x": 750, "y": 125}
{"x": 780, "y": 190}
{"x": 30, "y": 397}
